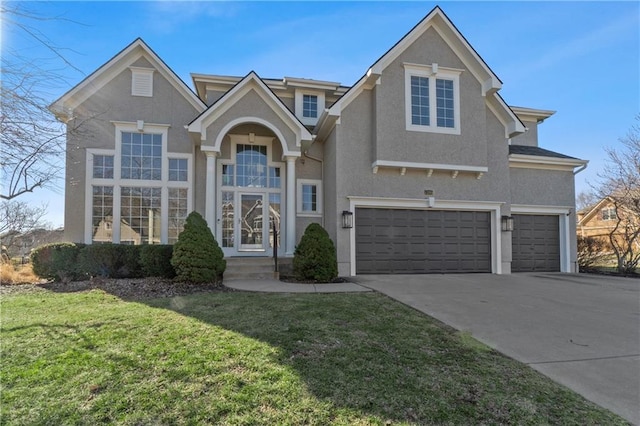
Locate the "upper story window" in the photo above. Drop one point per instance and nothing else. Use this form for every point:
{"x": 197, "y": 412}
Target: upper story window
{"x": 141, "y": 156}
{"x": 141, "y": 81}
{"x": 103, "y": 166}
{"x": 310, "y": 106}
{"x": 432, "y": 99}
{"x": 609, "y": 213}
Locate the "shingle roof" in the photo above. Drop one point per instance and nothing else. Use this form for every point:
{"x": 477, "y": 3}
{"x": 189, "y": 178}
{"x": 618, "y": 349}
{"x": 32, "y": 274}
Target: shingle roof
{"x": 534, "y": 150}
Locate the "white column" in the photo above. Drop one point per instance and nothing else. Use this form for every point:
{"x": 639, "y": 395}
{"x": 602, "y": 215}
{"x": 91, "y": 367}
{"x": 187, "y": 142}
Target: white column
{"x": 290, "y": 242}
{"x": 210, "y": 191}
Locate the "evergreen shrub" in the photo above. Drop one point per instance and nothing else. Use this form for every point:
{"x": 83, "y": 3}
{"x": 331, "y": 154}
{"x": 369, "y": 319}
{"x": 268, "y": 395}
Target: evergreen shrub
{"x": 56, "y": 261}
{"x": 156, "y": 261}
{"x": 197, "y": 257}
{"x": 315, "y": 257}
{"x": 110, "y": 261}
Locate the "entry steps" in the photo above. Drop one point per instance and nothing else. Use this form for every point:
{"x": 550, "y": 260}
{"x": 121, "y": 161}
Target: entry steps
{"x": 255, "y": 268}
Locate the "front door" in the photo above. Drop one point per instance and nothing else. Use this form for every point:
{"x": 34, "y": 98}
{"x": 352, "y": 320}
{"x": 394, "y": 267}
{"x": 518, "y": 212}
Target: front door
{"x": 250, "y": 223}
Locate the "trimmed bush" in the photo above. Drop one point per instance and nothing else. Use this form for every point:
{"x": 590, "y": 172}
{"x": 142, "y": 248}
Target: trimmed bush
{"x": 315, "y": 257}
{"x": 156, "y": 261}
{"x": 196, "y": 256}
{"x": 56, "y": 261}
{"x": 110, "y": 261}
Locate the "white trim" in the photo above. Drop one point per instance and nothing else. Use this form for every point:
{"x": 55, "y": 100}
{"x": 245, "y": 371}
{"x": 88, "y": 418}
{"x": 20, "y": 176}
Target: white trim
{"x": 427, "y": 166}
{"x": 522, "y": 161}
{"x": 564, "y": 214}
{"x": 318, "y": 211}
{"x": 422, "y": 204}
{"x": 242, "y": 120}
{"x": 433, "y": 72}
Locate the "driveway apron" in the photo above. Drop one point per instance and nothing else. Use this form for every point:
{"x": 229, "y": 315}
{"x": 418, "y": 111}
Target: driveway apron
{"x": 582, "y": 331}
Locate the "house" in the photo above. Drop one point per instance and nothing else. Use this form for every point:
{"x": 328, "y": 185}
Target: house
{"x": 418, "y": 167}
{"x": 604, "y": 218}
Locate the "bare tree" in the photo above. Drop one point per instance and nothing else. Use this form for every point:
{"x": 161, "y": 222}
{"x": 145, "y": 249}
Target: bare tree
{"x": 620, "y": 182}
{"x": 586, "y": 200}
{"x": 32, "y": 142}
{"x": 18, "y": 218}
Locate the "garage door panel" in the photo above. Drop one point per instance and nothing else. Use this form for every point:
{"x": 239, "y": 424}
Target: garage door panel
{"x": 419, "y": 241}
{"x": 536, "y": 243}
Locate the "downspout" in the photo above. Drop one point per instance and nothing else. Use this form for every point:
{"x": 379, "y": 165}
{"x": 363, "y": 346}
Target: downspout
{"x": 584, "y": 166}
{"x": 310, "y": 157}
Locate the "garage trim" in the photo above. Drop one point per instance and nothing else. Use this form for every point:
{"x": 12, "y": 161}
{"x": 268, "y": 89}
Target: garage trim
{"x": 563, "y": 213}
{"x": 421, "y": 204}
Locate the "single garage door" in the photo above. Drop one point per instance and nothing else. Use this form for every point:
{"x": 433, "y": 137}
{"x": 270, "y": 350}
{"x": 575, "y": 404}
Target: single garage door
{"x": 536, "y": 243}
{"x": 396, "y": 241}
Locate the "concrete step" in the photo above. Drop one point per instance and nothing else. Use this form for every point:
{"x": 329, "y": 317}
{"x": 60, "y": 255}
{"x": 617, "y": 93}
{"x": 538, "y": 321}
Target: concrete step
{"x": 254, "y": 268}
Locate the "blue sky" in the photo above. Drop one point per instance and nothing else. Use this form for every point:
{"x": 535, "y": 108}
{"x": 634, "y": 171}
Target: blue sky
{"x": 581, "y": 59}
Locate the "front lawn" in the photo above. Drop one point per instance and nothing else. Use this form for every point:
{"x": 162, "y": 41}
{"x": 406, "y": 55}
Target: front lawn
{"x": 262, "y": 359}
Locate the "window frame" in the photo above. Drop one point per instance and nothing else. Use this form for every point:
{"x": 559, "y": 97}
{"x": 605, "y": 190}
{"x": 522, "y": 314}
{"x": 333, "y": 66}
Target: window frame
{"x": 611, "y": 214}
{"x": 433, "y": 72}
{"x": 319, "y": 195}
{"x": 299, "y": 105}
{"x": 117, "y": 182}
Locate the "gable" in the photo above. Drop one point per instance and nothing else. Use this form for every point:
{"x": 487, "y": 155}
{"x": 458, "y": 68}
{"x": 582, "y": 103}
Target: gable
{"x": 250, "y": 101}
{"x": 137, "y": 54}
{"x": 457, "y": 50}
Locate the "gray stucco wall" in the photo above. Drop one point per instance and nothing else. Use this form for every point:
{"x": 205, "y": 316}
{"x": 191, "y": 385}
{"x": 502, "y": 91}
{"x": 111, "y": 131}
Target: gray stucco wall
{"x": 528, "y": 138}
{"x": 394, "y": 142}
{"x": 113, "y": 102}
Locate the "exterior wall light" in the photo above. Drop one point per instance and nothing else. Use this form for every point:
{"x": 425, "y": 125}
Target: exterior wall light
{"x": 507, "y": 223}
{"x": 347, "y": 219}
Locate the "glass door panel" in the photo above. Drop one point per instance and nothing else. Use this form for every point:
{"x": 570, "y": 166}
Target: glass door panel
{"x": 274, "y": 219}
{"x": 251, "y": 221}
{"x": 228, "y": 219}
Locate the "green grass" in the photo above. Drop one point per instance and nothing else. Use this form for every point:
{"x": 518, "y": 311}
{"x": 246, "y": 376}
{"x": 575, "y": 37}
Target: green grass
{"x": 260, "y": 359}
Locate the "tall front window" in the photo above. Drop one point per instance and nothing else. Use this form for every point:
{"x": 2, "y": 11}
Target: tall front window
{"x": 132, "y": 183}
{"x": 251, "y": 163}
{"x": 432, "y": 99}
{"x": 140, "y": 215}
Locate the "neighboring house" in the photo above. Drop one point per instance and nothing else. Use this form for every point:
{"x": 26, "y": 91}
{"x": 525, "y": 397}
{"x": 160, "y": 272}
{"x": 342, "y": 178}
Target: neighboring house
{"x": 602, "y": 219}
{"x": 421, "y": 157}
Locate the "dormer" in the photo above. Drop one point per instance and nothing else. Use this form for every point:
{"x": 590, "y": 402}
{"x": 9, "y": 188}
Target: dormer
{"x": 310, "y": 97}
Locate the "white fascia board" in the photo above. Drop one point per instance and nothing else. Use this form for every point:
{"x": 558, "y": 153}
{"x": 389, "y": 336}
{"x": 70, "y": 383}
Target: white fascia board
{"x": 366, "y": 81}
{"x": 540, "y": 210}
{"x": 310, "y": 84}
{"x": 532, "y": 114}
{"x": 429, "y": 166}
{"x": 545, "y": 163}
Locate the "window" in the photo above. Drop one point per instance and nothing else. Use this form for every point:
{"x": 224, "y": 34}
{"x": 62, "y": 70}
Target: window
{"x": 309, "y": 197}
{"x": 178, "y": 169}
{"x": 141, "y": 82}
{"x": 178, "y": 210}
{"x": 141, "y": 156}
{"x": 103, "y": 166}
{"x": 251, "y": 163}
{"x": 274, "y": 177}
{"x": 137, "y": 192}
{"x": 140, "y": 215}
{"x": 102, "y": 214}
{"x": 432, "y": 99}
{"x": 609, "y": 213}
{"x": 310, "y": 106}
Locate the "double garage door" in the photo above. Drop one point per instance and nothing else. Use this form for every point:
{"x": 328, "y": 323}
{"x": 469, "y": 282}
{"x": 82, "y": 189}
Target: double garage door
{"x": 397, "y": 241}
{"x": 404, "y": 241}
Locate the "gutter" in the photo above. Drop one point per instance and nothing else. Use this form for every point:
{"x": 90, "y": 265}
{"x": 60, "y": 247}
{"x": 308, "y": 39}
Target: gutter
{"x": 584, "y": 166}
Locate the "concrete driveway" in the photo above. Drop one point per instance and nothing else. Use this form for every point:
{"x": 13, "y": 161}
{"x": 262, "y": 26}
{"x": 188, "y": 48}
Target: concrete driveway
{"x": 582, "y": 331}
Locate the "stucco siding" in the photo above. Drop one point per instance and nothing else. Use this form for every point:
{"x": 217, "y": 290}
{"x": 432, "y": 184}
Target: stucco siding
{"x": 395, "y": 143}
{"x": 528, "y": 138}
